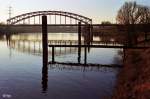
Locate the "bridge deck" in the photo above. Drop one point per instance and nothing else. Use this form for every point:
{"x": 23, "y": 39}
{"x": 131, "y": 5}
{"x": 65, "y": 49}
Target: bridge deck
{"x": 72, "y": 28}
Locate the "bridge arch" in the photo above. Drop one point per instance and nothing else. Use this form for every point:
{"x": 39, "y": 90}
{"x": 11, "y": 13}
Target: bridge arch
{"x": 54, "y": 16}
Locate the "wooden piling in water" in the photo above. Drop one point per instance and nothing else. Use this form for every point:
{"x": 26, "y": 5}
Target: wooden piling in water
{"x": 53, "y": 54}
{"x": 44, "y": 40}
{"x": 79, "y": 33}
{"x": 85, "y": 55}
{"x": 91, "y": 32}
{"x": 79, "y": 42}
{"x": 45, "y": 54}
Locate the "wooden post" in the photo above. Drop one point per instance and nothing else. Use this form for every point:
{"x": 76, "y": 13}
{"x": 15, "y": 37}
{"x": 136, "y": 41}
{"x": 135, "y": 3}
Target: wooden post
{"x": 91, "y": 32}
{"x": 79, "y": 33}
{"x": 85, "y": 55}
{"x": 53, "y": 55}
{"x": 89, "y": 35}
{"x": 79, "y": 42}
{"x": 39, "y": 19}
{"x": 44, "y": 40}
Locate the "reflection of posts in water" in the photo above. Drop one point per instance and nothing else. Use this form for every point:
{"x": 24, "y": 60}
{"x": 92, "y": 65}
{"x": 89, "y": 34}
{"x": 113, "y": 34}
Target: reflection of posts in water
{"x": 39, "y": 47}
{"x": 79, "y": 42}
{"x": 8, "y": 36}
{"x": 23, "y": 45}
{"x": 34, "y": 46}
{"x": 44, "y": 40}
{"x": 44, "y": 78}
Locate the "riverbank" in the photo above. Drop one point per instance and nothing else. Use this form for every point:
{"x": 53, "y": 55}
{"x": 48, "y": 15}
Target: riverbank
{"x": 134, "y": 79}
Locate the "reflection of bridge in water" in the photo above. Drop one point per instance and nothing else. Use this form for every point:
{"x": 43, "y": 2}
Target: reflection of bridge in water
{"x": 35, "y": 46}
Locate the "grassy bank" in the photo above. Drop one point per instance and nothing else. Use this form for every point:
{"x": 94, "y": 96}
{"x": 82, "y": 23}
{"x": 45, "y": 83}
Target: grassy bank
{"x": 134, "y": 79}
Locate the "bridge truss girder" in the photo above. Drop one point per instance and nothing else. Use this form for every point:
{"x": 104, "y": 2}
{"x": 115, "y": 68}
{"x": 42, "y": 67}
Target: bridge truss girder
{"x": 27, "y": 16}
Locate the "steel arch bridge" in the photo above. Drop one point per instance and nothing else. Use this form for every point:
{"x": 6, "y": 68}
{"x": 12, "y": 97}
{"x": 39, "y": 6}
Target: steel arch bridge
{"x": 55, "y": 17}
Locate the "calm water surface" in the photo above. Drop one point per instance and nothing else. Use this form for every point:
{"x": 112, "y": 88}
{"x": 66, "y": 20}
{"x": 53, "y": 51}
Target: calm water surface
{"x": 21, "y": 70}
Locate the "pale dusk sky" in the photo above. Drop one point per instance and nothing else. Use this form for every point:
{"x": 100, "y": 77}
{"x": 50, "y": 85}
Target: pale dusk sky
{"x": 98, "y": 10}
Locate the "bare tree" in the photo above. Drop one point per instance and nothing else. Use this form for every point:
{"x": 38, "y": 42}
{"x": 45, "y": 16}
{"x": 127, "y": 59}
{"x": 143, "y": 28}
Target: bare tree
{"x": 145, "y": 14}
{"x": 132, "y": 13}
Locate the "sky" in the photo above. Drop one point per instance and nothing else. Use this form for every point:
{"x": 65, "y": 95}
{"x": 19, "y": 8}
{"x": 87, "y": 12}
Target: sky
{"x": 97, "y": 10}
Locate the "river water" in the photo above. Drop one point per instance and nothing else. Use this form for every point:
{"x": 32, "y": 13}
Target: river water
{"x": 21, "y": 74}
